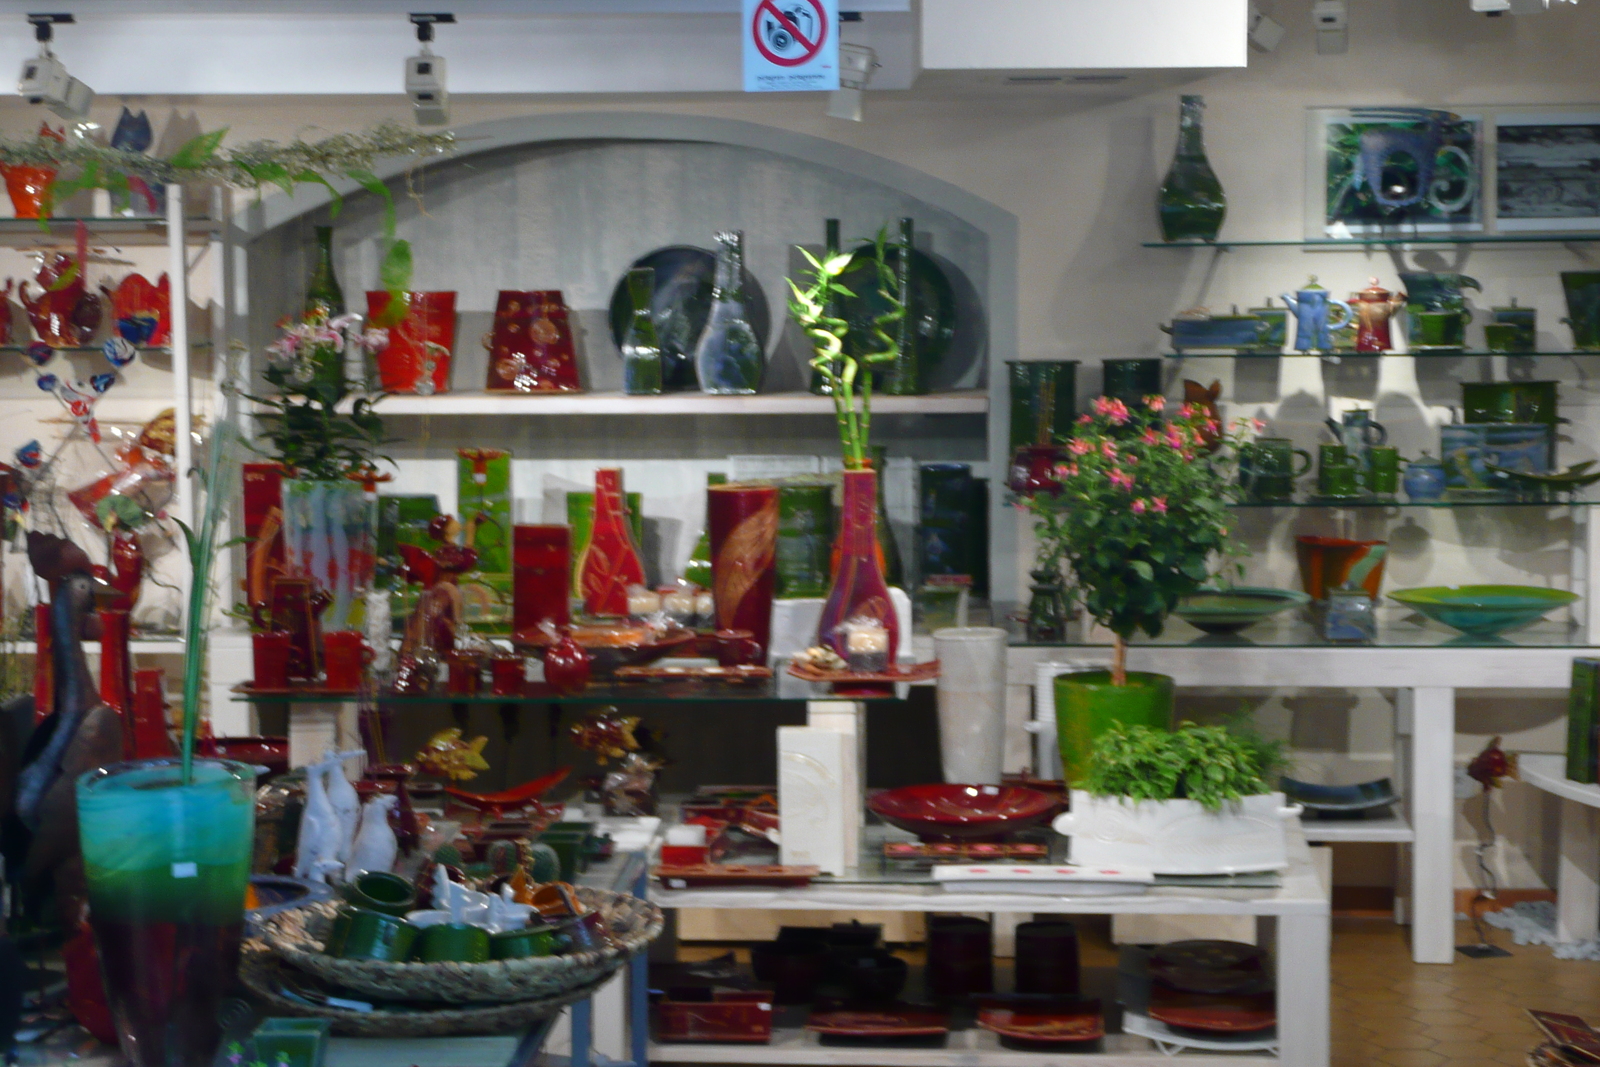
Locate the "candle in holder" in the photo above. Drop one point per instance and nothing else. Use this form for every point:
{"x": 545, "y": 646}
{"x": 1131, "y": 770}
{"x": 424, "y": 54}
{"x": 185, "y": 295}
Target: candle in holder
{"x": 705, "y": 610}
{"x": 679, "y": 606}
{"x": 867, "y": 645}
{"x": 642, "y": 602}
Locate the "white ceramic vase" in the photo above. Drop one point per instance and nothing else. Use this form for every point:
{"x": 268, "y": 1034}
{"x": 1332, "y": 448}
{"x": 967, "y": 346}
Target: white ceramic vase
{"x": 972, "y": 702}
{"x": 1179, "y": 836}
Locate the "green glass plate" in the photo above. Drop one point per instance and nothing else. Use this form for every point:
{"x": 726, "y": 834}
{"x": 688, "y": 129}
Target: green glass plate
{"x": 1483, "y": 610}
{"x": 1226, "y": 611}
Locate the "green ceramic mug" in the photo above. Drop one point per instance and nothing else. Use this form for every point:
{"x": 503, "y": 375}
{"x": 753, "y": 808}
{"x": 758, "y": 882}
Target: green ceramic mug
{"x": 1338, "y": 472}
{"x": 523, "y": 944}
{"x": 383, "y": 892}
{"x": 1526, "y": 321}
{"x": 453, "y": 943}
{"x": 1383, "y": 470}
{"x": 373, "y": 935}
{"x": 1440, "y": 329}
{"x": 1503, "y": 337}
{"x": 1267, "y": 468}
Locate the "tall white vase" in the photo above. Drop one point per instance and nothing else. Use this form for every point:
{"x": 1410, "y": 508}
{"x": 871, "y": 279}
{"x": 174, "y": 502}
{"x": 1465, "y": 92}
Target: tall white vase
{"x": 972, "y": 702}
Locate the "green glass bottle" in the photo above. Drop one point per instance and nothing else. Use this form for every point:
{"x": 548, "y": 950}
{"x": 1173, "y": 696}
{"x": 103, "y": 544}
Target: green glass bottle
{"x": 324, "y": 298}
{"x": 641, "y": 346}
{"x": 698, "y": 569}
{"x": 893, "y": 571}
{"x": 819, "y": 384}
{"x": 1191, "y": 205}
{"x": 904, "y": 376}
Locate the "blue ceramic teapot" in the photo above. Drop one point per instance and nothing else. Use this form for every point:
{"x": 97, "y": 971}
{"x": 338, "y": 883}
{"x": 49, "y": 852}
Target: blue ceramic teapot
{"x": 1312, "y": 307}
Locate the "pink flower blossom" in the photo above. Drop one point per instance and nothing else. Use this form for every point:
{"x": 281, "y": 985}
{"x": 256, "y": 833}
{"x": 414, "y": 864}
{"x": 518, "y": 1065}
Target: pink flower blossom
{"x": 1115, "y": 410}
{"x": 1151, "y": 437}
{"x": 1120, "y": 479}
{"x": 1155, "y": 402}
{"x": 1186, "y": 412}
{"x": 1071, "y": 470}
{"x": 1258, "y": 425}
{"x": 1159, "y": 503}
{"x": 1137, "y": 507}
{"x": 1108, "y": 449}
{"x": 1078, "y": 446}
{"x": 1085, "y": 419}
{"x": 1174, "y": 437}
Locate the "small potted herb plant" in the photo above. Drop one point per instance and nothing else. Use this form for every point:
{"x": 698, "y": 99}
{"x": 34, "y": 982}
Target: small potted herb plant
{"x": 1195, "y": 800}
{"x": 1139, "y": 514}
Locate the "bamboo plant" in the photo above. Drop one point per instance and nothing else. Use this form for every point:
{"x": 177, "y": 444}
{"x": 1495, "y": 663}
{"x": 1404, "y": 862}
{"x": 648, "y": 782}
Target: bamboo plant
{"x": 815, "y": 309}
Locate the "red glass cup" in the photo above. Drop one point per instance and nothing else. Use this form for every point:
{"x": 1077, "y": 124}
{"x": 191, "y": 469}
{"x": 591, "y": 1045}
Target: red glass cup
{"x": 738, "y": 648}
{"x": 506, "y": 676}
{"x": 465, "y": 673}
{"x": 271, "y": 651}
{"x": 345, "y": 657}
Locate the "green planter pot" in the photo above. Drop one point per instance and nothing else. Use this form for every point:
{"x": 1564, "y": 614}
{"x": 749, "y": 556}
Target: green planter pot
{"x": 1087, "y": 705}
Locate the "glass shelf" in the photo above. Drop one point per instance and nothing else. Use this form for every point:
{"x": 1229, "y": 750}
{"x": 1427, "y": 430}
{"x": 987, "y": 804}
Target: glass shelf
{"x": 1398, "y": 627}
{"x": 1584, "y": 499}
{"x": 96, "y": 350}
{"x": 1223, "y": 353}
{"x": 781, "y": 688}
{"x": 1379, "y": 241}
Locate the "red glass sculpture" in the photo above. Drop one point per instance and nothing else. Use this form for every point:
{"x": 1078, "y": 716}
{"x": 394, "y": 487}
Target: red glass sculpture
{"x": 540, "y": 564}
{"x": 64, "y": 314}
{"x": 743, "y": 523}
{"x": 417, "y": 357}
{"x": 858, "y": 589}
{"x": 610, "y": 562}
{"x": 142, "y": 312}
{"x": 530, "y": 347}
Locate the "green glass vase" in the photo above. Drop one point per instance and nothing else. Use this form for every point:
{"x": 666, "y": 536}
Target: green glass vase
{"x": 1191, "y": 205}
{"x": 1087, "y": 705}
{"x": 904, "y": 376}
{"x": 641, "y": 346}
{"x": 167, "y": 865}
{"x": 324, "y": 298}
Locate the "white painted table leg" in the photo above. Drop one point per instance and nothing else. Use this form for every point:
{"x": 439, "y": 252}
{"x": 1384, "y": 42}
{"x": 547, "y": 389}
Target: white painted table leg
{"x": 1303, "y": 990}
{"x": 1578, "y": 876}
{"x": 316, "y": 728}
{"x": 1433, "y": 820}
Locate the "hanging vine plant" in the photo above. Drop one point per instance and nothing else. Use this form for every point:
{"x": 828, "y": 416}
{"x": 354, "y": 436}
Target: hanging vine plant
{"x": 255, "y": 165}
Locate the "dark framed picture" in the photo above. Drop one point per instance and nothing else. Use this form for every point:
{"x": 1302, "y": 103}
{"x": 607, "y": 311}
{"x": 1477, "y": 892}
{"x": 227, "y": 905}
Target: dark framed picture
{"x": 1393, "y": 170}
{"x": 1547, "y": 171}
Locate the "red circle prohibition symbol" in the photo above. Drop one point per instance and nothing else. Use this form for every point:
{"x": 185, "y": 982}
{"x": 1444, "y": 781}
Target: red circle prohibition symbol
{"x": 811, "y": 47}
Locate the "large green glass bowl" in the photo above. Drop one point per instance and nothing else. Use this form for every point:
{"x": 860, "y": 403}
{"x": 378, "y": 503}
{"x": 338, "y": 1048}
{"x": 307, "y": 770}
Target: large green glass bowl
{"x": 1483, "y": 610}
{"x": 1226, "y": 611}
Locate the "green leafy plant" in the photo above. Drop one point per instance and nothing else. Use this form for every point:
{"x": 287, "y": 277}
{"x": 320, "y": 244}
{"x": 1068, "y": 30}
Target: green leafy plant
{"x": 1140, "y": 513}
{"x": 815, "y": 309}
{"x": 1207, "y": 764}
{"x": 309, "y": 432}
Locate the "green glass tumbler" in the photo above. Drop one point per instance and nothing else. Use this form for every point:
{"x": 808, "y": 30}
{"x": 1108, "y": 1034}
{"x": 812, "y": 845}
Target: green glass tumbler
{"x": 167, "y": 864}
{"x": 805, "y": 540}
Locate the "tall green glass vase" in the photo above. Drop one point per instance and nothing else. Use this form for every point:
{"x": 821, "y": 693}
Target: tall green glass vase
{"x": 904, "y": 376}
{"x": 1191, "y": 205}
{"x": 167, "y": 865}
{"x": 1087, "y": 705}
{"x": 324, "y": 297}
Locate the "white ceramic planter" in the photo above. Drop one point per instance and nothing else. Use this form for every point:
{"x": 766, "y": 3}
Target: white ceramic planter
{"x": 1179, "y": 836}
{"x": 972, "y": 703}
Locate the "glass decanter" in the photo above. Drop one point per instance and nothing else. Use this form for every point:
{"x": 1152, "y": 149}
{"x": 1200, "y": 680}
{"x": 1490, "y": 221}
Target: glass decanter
{"x": 1191, "y": 205}
{"x": 641, "y": 346}
{"x": 728, "y": 358}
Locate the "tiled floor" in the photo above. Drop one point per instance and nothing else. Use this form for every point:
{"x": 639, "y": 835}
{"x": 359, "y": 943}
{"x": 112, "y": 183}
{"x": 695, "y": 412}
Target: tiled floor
{"x": 1391, "y": 1012}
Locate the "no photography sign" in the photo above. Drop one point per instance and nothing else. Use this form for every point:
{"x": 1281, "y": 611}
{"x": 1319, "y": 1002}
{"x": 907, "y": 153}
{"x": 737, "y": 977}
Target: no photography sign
{"x": 791, "y": 46}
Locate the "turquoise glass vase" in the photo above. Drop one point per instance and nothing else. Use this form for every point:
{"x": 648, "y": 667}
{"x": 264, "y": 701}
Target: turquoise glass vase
{"x": 167, "y": 865}
{"x": 1191, "y": 205}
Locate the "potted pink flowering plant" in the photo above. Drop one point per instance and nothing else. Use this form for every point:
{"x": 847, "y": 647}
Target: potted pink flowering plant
{"x": 1140, "y": 516}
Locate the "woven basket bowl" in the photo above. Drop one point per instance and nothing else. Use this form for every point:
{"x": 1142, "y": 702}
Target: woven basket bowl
{"x": 258, "y": 969}
{"x": 297, "y": 938}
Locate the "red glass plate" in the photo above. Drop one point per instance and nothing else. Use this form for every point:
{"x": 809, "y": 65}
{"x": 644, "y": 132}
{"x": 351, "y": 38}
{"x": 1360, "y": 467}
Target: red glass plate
{"x": 1061, "y": 1026}
{"x": 1240, "y": 1013}
{"x": 1209, "y": 966}
{"x": 902, "y": 1021}
{"x": 944, "y": 810}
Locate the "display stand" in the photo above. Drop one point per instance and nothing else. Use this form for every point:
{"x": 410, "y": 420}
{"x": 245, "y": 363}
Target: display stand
{"x": 1578, "y": 874}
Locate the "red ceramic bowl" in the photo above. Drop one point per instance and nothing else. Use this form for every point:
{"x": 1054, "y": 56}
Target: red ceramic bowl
{"x": 941, "y": 812}
{"x": 269, "y": 752}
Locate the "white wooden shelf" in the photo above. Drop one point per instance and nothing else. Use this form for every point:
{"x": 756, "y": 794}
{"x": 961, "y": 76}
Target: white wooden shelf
{"x": 152, "y": 646}
{"x": 963, "y": 402}
{"x": 963, "y": 1048}
{"x": 1393, "y": 830}
{"x": 1549, "y": 773}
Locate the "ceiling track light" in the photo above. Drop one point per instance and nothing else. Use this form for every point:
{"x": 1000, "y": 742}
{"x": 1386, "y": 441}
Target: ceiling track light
{"x": 45, "y": 79}
{"x": 425, "y": 72}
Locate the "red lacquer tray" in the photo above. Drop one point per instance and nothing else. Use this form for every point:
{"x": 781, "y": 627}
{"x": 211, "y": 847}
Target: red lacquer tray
{"x": 300, "y": 690}
{"x": 704, "y": 875}
{"x": 1235, "y": 1013}
{"x": 914, "y": 672}
{"x": 892, "y": 1022}
{"x": 732, "y": 675}
{"x": 1055, "y": 1026}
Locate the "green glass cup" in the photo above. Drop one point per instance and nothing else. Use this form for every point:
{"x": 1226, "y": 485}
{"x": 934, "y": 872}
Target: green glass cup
{"x": 375, "y": 935}
{"x": 1526, "y": 321}
{"x": 295, "y": 1042}
{"x": 1267, "y": 468}
{"x": 1502, "y": 337}
{"x": 1383, "y": 470}
{"x": 525, "y": 944}
{"x": 167, "y": 863}
{"x": 805, "y": 541}
{"x": 382, "y": 892}
{"x": 453, "y": 943}
{"x": 1338, "y": 473}
{"x": 1440, "y": 329}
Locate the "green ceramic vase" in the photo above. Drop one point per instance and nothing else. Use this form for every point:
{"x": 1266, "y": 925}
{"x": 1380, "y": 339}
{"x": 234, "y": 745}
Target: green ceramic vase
{"x": 1087, "y": 705}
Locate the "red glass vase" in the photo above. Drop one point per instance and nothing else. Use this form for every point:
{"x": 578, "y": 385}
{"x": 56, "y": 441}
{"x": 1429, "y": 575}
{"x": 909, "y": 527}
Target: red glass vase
{"x": 116, "y": 669}
{"x": 417, "y": 358}
{"x": 531, "y": 348}
{"x": 149, "y": 718}
{"x": 743, "y": 523}
{"x": 858, "y": 589}
{"x": 541, "y": 566}
{"x": 610, "y": 561}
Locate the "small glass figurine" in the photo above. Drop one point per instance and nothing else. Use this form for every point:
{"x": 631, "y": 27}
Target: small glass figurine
{"x": 1351, "y": 616}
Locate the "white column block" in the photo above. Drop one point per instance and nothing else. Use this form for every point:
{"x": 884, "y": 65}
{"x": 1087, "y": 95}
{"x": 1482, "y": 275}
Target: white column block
{"x": 814, "y": 768}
